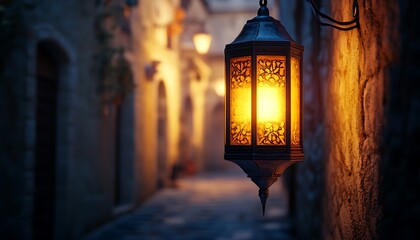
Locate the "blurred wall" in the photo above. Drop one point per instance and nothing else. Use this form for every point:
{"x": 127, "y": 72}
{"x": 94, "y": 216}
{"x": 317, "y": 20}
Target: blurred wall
{"x": 347, "y": 187}
{"x": 399, "y": 168}
{"x": 74, "y": 184}
{"x": 90, "y": 106}
{"x": 155, "y": 42}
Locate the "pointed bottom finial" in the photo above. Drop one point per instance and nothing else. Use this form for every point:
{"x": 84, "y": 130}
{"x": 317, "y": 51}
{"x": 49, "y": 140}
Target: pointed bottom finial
{"x": 263, "y": 194}
{"x": 263, "y": 183}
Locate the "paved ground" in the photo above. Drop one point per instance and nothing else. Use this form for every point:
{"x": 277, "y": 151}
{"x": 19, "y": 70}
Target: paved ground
{"x": 208, "y": 206}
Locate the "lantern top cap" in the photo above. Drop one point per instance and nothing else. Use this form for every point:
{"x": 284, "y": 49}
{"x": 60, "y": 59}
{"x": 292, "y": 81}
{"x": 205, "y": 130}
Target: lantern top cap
{"x": 263, "y": 27}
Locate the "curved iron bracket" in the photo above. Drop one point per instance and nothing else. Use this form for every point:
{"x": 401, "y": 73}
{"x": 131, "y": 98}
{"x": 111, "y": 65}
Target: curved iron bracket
{"x": 325, "y": 20}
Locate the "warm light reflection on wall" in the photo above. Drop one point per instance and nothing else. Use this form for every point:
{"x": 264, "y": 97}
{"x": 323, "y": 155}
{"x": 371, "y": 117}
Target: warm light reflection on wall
{"x": 271, "y": 96}
{"x": 240, "y": 100}
{"x": 295, "y": 104}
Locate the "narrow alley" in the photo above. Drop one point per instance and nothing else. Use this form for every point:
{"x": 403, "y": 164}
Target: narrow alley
{"x": 222, "y": 205}
{"x": 103, "y": 103}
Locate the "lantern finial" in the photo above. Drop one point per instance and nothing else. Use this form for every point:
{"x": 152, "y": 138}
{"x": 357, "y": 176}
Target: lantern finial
{"x": 263, "y": 183}
{"x": 263, "y": 11}
{"x": 263, "y": 194}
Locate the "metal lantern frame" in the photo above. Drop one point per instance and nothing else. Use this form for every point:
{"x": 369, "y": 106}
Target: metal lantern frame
{"x": 264, "y": 36}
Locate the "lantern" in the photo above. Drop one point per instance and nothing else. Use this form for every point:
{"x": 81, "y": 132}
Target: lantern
{"x": 264, "y": 101}
{"x": 202, "y": 41}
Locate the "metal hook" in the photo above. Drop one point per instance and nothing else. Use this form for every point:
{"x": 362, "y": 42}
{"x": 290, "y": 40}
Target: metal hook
{"x": 355, "y": 9}
{"x": 341, "y": 25}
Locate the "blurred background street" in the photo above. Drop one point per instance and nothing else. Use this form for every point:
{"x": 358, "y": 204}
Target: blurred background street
{"x": 219, "y": 205}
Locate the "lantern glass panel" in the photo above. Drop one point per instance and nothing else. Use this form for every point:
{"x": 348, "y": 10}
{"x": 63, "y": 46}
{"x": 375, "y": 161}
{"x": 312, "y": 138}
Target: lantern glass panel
{"x": 240, "y": 100}
{"x": 295, "y": 101}
{"x": 271, "y": 100}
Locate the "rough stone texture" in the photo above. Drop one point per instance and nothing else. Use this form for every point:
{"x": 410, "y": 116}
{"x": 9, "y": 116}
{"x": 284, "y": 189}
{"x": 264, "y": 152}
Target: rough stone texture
{"x": 359, "y": 61}
{"x": 345, "y": 176}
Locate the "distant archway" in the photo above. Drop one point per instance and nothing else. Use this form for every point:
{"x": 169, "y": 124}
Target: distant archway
{"x": 162, "y": 137}
{"x": 121, "y": 114}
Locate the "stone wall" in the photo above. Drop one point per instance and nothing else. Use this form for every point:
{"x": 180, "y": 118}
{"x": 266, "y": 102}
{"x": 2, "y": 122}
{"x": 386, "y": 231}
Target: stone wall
{"x": 346, "y": 186}
{"x": 359, "y": 64}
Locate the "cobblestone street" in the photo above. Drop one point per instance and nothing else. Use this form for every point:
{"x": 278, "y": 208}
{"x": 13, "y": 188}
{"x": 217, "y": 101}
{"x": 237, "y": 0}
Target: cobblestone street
{"x": 207, "y": 206}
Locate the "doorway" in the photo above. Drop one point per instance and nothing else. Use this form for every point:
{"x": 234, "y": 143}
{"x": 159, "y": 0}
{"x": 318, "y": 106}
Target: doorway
{"x": 47, "y": 78}
{"x": 162, "y": 133}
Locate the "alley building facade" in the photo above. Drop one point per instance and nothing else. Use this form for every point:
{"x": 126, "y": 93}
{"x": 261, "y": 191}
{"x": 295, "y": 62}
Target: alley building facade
{"x": 90, "y": 110}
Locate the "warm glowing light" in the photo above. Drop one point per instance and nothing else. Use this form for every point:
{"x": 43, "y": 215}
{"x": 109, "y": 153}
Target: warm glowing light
{"x": 240, "y": 101}
{"x": 219, "y": 87}
{"x": 202, "y": 42}
{"x": 241, "y": 104}
{"x": 295, "y": 98}
{"x": 271, "y": 100}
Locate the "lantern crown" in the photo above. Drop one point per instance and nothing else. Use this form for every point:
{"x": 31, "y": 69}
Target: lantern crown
{"x": 263, "y": 28}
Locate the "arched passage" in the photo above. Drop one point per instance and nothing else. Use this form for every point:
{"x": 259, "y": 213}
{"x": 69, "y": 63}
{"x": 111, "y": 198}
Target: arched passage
{"x": 162, "y": 137}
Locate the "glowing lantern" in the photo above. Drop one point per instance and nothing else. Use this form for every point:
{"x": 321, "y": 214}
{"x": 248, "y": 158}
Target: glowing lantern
{"x": 202, "y": 42}
{"x": 264, "y": 100}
